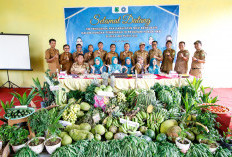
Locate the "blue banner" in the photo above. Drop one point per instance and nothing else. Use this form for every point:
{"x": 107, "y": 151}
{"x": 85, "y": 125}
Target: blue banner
{"x": 119, "y": 25}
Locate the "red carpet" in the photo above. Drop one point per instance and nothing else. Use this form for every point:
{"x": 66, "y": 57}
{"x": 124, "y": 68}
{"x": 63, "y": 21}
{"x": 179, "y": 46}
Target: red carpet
{"x": 224, "y": 97}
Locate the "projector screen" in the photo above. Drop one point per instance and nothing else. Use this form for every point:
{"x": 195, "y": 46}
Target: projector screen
{"x": 14, "y": 52}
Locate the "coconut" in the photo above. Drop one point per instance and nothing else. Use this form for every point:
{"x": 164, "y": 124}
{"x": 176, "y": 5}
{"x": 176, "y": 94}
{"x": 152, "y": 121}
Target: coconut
{"x": 167, "y": 124}
{"x": 173, "y": 132}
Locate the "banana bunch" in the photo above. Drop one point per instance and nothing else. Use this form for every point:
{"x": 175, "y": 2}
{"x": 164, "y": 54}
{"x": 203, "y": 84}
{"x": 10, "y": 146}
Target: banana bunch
{"x": 125, "y": 128}
{"x": 142, "y": 116}
{"x": 110, "y": 121}
{"x": 121, "y": 97}
{"x": 70, "y": 114}
{"x": 155, "y": 119}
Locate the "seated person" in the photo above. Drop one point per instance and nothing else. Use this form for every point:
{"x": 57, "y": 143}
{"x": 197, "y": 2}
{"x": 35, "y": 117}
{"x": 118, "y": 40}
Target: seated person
{"x": 98, "y": 67}
{"x": 140, "y": 67}
{"x": 115, "y": 67}
{"x": 153, "y": 68}
{"x": 79, "y": 67}
{"x": 128, "y": 66}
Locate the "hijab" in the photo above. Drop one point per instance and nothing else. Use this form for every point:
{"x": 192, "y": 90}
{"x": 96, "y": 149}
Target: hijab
{"x": 100, "y": 64}
{"x": 128, "y": 65}
{"x": 151, "y": 63}
{"x": 112, "y": 60}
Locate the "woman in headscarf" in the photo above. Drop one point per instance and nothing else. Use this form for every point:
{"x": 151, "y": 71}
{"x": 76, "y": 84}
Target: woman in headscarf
{"x": 115, "y": 67}
{"x": 128, "y": 65}
{"x": 98, "y": 67}
{"x": 153, "y": 67}
{"x": 79, "y": 67}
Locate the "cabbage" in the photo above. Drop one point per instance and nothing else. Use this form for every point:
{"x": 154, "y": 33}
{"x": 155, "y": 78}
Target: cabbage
{"x": 109, "y": 89}
{"x": 102, "y": 86}
{"x": 97, "y": 89}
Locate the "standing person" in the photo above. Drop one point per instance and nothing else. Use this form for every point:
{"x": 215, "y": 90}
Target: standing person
{"x": 153, "y": 67}
{"x": 111, "y": 54}
{"x": 155, "y": 53}
{"x": 52, "y": 57}
{"x": 140, "y": 67}
{"x": 126, "y": 53}
{"x": 79, "y": 51}
{"x": 98, "y": 67}
{"x": 181, "y": 66}
{"x": 88, "y": 57}
{"x": 66, "y": 59}
{"x": 168, "y": 57}
{"x": 79, "y": 67}
{"x": 100, "y": 52}
{"x": 198, "y": 60}
{"x": 141, "y": 53}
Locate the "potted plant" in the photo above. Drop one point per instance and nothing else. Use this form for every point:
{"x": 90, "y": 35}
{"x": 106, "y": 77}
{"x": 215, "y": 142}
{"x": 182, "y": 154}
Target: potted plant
{"x": 54, "y": 141}
{"x": 213, "y": 146}
{"x": 18, "y": 138}
{"x": 182, "y": 142}
{"x": 226, "y": 140}
{"x": 44, "y": 92}
{"x": 24, "y": 99}
{"x": 36, "y": 144}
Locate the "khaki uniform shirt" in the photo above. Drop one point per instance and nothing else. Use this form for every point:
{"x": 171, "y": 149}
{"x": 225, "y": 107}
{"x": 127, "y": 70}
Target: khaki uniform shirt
{"x": 78, "y": 69}
{"x": 101, "y": 54}
{"x": 50, "y": 53}
{"x": 143, "y": 54}
{"x": 196, "y": 67}
{"x": 123, "y": 57}
{"x": 66, "y": 64}
{"x": 157, "y": 53}
{"x": 109, "y": 57}
{"x": 89, "y": 58}
{"x": 181, "y": 66}
{"x": 76, "y": 54}
{"x": 167, "y": 64}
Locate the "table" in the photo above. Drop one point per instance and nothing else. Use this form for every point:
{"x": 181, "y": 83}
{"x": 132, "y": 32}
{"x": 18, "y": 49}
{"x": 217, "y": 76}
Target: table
{"x": 122, "y": 83}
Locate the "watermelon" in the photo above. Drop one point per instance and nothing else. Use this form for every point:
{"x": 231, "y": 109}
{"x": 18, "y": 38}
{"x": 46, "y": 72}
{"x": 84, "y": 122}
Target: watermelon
{"x": 161, "y": 137}
{"x": 147, "y": 138}
{"x": 150, "y": 133}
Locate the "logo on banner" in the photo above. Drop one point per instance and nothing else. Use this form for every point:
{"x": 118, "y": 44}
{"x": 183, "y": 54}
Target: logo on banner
{"x": 122, "y": 9}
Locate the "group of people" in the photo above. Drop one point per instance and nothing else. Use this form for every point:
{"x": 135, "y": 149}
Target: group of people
{"x": 141, "y": 61}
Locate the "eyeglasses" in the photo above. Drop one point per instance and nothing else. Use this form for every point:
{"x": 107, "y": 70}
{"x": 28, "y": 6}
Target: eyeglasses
{"x": 66, "y": 48}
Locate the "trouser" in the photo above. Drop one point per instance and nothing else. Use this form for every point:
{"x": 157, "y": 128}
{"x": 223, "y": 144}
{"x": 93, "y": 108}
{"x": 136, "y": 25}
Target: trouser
{"x": 197, "y": 72}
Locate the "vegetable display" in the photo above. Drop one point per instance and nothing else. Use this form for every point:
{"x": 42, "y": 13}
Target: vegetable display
{"x": 160, "y": 121}
{"x": 17, "y": 113}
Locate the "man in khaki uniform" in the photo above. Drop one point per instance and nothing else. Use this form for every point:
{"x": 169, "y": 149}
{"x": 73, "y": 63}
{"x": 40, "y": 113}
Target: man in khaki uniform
{"x": 66, "y": 59}
{"x": 126, "y": 53}
{"x": 155, "y": 53}
{"x": 181, "y": 66}
{"x": 141, "y": 53}
{"x": 111, "y": 54}
{"x": 52, "y": 57}
{"x": 100, "y": 52}
{"x": 198, "y": 60}
{"x": 79, "y": 51}
{"x": 88, "y": 57}
{"x": 168, "y": 57}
